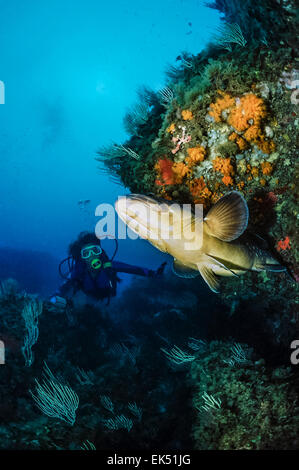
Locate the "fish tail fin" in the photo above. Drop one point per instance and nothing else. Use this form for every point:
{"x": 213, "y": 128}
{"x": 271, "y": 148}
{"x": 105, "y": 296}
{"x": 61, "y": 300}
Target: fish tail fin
{"x": 278, "y": 268}
{"x": 265, "y": 262}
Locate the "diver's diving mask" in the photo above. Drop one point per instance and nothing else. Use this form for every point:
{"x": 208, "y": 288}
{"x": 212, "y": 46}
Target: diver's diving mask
{"x": 92, "y": 250}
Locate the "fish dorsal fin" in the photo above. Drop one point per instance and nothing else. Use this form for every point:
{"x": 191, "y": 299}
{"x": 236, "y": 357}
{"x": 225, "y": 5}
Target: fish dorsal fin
{"x": 208, "y": 276}
{"x": 182, "y": 270}
{"x": 228, "y": 218}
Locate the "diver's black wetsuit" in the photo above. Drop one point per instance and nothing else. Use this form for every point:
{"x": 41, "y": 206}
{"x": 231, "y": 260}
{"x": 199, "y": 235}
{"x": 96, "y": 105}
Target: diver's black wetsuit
{"x": 102, "y": 285}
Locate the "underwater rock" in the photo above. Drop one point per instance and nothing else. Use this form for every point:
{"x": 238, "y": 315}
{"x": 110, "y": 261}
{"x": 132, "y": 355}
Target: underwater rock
{"x": 245, "y": 122}
{"x": 242, "y": 405}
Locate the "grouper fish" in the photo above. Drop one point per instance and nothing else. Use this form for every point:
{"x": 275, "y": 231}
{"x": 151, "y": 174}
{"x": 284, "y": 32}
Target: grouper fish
{"x": 218, "y": 249}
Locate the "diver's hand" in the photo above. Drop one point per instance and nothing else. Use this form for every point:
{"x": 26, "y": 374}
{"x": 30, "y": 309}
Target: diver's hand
{"x": 59, "y": 303}
{"x": 160, "y": 270}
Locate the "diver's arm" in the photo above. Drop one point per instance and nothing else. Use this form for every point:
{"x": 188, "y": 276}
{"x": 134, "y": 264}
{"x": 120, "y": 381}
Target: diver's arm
{"x": 63, "y": 296}
{"x": 131, "y": 269}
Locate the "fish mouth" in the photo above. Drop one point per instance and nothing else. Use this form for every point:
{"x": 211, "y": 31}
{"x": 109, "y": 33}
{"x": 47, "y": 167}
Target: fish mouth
{"x": 165, "y": 224}
{"x": 142, "y": 214}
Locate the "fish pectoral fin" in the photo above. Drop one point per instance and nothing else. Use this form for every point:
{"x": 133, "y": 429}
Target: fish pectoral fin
{"x": 228, "y": 218}
{"x": 182, "y": 270}
{"x": 213, "y": 260}
{"x": 210, "y": 277}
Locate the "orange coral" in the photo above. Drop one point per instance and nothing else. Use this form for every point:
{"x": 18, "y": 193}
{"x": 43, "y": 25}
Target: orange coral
{"x": 223, "y": 165}
{"x": 195, "y": 155}
{"x": 171, "y": 173}
{"x": 171, "y": 128}
{"x": 227, "y": 180}
{"x": 245, "y": 115}
{"x": 242, "y": 144}
{"x": 187, "y": 115}
{"x": 255, "y": 172}
{"x": 180, "y": 170}
{"x": 199, "y": 191}
{"x": 262, "y": 182}
{"x": 266, "y": 146}
{"x": 226, "y": 102}
{"x": 247, "y": 108}
{"x": 233, "y": 136}
{"x": 255, "y": 135}
{"x": 252, "y": 133}
{"x": 284, "y": 244}
{"x": 267, "y": 168}
{"x": 196, "y": 184}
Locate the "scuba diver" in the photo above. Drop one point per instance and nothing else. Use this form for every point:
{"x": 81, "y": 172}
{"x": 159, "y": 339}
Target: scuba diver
{"x": 90, "y": 270}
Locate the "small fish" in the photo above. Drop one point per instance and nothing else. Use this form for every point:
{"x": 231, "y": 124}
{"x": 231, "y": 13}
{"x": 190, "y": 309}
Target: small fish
{"x": 219, "y": 250}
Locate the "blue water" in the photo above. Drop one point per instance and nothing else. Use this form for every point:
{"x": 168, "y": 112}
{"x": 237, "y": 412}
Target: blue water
{"x": 71, "y": 69}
